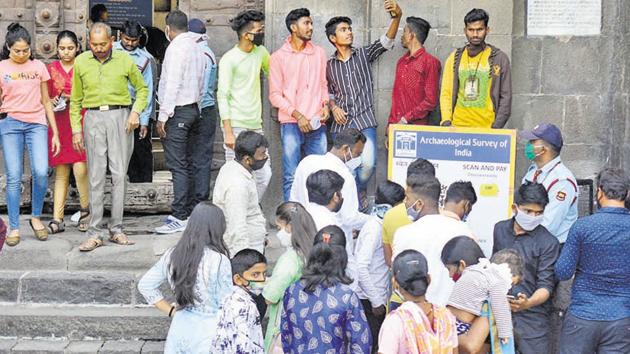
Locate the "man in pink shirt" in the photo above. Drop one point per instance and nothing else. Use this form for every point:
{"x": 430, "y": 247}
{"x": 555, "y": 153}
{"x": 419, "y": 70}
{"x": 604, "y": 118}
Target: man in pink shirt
{"x": 298, "y": 88}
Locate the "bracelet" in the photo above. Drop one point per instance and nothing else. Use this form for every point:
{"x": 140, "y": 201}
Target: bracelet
{"x": 170, "y": 313}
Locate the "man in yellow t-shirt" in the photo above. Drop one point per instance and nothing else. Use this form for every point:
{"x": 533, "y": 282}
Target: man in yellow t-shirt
{"x": 476, "y": 83}
{"x": 397, "y": 216}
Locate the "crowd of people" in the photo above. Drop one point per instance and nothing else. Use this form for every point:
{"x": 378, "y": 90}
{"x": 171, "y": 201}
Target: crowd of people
{"x": 405, "y": 275}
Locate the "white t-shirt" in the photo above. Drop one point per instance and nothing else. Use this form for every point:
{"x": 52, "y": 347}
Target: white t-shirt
{"x": 428, "y": 235}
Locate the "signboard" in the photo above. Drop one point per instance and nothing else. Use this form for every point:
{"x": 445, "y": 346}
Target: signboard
{"x": 123, "y": 10}
{"x": 564, "y": 17}
{"x": 485, "y": 157}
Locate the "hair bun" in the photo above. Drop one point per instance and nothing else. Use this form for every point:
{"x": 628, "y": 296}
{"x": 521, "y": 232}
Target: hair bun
{"x": 13, "y": 26}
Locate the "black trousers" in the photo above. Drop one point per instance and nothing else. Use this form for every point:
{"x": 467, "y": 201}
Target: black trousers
{"x": 141, "y": 163}
{"x": 188, "y": 153}
{"x": 375, "y": 322}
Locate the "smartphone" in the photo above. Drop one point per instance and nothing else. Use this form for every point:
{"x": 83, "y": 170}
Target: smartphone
{"x": 511, "y": 297}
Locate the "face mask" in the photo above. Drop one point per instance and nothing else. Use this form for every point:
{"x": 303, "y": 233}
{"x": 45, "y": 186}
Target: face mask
{"x": 412, "y": 213}
{"x": 456, "y": 276}
{"x": 256, "y": 287}
{"x": 526, "y": 221}
{"x": 379, "y": 210}
{"x": 284, "y": 237}
{"x": 354, "y": 162}
{"x": 258, "y": 164}
{"x": 259, "y": 38}
{"x": 338, "y": 206}
{"x": 530, "y": 152}
{"x": 166, "y": 32}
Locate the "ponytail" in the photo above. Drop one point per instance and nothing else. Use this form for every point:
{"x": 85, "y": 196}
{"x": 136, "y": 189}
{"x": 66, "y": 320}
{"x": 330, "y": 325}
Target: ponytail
{"x": 15, "y": 33}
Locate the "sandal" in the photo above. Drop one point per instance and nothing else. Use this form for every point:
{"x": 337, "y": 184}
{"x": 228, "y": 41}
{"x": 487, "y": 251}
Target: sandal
{"x": 41, "y": 234}
{"x": 84, "y": 220}
{"x": 56, "y": 226}
{"x": 121, "y": 239}
{"x": 90, "y": 244}
{"x": 12, "y": 239}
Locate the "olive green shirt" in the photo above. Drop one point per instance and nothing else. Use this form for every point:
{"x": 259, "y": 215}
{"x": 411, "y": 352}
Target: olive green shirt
{"x": 96, "y": 84}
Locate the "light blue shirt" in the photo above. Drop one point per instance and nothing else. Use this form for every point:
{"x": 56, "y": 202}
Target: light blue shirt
{"x": 208, "y": 97}
{"x": 143, "y": 59}
{"x": 561, "y": 186}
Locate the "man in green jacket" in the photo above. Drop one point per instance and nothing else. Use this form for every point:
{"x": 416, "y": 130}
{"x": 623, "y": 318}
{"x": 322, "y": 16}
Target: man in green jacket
{"x": 99, "y": 85}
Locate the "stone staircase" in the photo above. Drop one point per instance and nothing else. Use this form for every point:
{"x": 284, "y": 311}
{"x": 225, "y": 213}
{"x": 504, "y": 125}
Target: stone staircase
{"x": 55, "y": 299}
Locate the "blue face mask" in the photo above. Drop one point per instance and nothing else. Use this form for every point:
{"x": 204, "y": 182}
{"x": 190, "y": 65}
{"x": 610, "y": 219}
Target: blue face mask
{"x": 412, "y": 213}
{"x": 379, "y": 210}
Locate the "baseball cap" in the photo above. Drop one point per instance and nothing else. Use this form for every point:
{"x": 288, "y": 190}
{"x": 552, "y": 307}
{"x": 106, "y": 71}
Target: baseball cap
{"x": 545, "y": 131}
{"x": 197, "y": 26}
{"x": 411, "y": 270}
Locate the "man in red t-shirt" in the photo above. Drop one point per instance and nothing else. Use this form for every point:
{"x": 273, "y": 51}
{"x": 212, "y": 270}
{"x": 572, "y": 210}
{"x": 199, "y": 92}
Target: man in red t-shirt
{"x": 415, "y": 93}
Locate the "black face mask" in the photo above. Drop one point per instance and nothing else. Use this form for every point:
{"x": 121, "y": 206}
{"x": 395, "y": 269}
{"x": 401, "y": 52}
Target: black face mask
{"x": 259, "y": 38}
{"x": 258, "y": 164}
{"x": 338, "y": 206}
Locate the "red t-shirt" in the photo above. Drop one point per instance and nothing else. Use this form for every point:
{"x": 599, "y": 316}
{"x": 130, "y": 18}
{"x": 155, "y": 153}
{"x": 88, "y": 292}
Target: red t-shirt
{"x": 415, "y": 93}
{"x": 21, "y": 90}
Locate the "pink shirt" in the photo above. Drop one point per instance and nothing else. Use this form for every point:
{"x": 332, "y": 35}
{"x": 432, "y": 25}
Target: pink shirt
{"x": 21, "y": 90}
{"x": 297, "y": 81}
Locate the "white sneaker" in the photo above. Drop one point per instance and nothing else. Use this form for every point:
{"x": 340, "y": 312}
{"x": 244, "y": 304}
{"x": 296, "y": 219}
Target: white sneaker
{"x": 171, "y": 226}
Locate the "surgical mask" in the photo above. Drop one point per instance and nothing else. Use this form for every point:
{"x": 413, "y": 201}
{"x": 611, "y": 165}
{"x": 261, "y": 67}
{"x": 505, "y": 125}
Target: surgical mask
{"x": 284, "y": 237}
{"x": 379, "y": 210}
{"x": 354, "y": 162}
{"x": 256, "y": 287}
{"x": 258, "y": 164}
{"x": 530, "y": 152}
{"x": 528, "y": 222}
{"x": 412, "y": 213}
{"x": 166, "y": 32}
{"x": 456, "y": 276}
{"x": 259, "y": 38}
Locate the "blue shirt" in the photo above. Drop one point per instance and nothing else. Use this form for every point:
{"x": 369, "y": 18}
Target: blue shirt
{"x": 143, "y": 59}
{"x": 561, "y": 186}
{"x": 328, "y": 320}
{"x": 597, "y": 253}
{"x": 208, "y": 97}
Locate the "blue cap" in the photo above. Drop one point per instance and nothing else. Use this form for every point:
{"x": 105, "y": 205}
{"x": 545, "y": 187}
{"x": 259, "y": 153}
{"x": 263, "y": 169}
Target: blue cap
{"x": 197, "y": 26}
{"x": 547, "y": 132}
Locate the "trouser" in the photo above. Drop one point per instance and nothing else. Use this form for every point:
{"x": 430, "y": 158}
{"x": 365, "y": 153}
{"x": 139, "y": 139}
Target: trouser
{"x": 587, "y": 337}
{"x": 141, "y": 163}
{"x": 262, "y": 176}
{"x": 374, "y": 321}
{"x": 364, "y": 172}
{"x": 201, "y": 156}
{"x": 107, "y": 144}
{"x": 531, "y": 332}
{"x": 188, "y": 153}
{"x": 15, "y": 136}
{"x": 314, "y": 143}
{"x": 62, "y": 181}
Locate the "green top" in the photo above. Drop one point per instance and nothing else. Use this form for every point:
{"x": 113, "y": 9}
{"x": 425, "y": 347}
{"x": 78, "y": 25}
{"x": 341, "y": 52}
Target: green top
{"x": 238, "y": 91}
{"x": 287, "y": 271}
{"x": 96, "y": 84}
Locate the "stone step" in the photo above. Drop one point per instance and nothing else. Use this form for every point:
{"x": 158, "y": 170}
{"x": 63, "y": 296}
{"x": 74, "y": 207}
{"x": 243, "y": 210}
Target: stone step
{"x": 73, "y": 287}
{"x": 65, "y": 346}
{"x": 81, "y": 322}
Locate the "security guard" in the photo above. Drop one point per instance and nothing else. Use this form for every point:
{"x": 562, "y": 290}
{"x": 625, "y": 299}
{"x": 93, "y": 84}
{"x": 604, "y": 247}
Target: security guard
{"x": 141, "y": 163}
{"x": 543, "y": 149}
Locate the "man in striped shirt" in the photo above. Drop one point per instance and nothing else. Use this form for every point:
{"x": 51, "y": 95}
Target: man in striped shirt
{"x": 350, "y": 80}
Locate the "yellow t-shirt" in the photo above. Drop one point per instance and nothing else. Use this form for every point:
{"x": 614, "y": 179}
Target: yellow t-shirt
{"x": 393, "y": 219}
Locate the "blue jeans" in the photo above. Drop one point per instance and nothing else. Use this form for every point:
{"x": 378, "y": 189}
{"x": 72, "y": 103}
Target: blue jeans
{"x": 315, "y": 143}
{"x": 15, "y": 134}
{"x": 364, "y": 172}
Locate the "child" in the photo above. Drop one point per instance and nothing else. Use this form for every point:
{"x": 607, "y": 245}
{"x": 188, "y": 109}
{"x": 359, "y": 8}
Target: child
{"x": 477, "y": 280}
{"x": 240, "y": 329}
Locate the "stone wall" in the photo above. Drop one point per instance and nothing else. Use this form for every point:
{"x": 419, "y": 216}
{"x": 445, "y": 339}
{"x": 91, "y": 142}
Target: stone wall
{"x": 577, "y": 83}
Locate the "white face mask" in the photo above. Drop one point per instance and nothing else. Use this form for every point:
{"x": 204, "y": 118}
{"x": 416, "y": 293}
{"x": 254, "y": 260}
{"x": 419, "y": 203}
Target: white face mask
{"x": 354, "y": 162}
{"x": 284, "y": 237}
{"x": 526, "y": 221}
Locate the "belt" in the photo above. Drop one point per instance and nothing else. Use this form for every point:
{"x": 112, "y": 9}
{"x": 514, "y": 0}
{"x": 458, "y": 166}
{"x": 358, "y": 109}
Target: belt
{"x": 190, "y": 105}
{"x": 106, "y": 108}
{"x": 3, "y": 115}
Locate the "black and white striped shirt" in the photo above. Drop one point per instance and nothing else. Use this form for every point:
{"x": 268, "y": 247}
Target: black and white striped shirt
{"x": 350, "y": 84}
